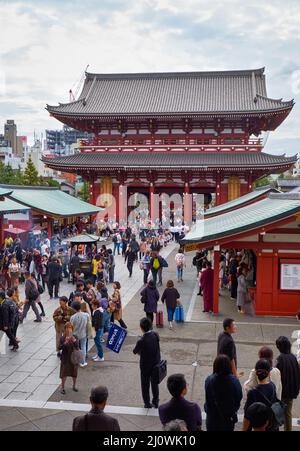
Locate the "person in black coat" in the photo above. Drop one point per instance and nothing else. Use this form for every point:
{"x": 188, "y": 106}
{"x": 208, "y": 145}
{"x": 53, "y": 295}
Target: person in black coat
{"x": 290, "y": 377}
{"x": 148, "y": 349}
{"x": 130, "y": 257}
{"x": 96, "y": 420}
{"x": 54, "y": 273}
{"x": 8, "y": 314}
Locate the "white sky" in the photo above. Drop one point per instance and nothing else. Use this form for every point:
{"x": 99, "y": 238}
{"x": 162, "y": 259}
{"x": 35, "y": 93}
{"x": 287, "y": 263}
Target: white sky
{"x": 45, "y": 47}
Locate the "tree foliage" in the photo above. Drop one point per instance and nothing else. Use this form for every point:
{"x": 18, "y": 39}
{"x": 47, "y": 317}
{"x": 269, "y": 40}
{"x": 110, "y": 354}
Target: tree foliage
{"x": 31, "y": 176}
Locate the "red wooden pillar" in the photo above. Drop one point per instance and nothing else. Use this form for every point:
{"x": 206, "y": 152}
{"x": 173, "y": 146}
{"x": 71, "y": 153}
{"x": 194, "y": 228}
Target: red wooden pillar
{"x": 1, "y": 231}
{"x": 216, "y": 279}
{"x": 250, "y": 182}
{"x": 49, "y": 227}
{"x": 116, "y": 194}
{"x": 218, "y": 189}
{"x": 122, "y": 205}
{"x": 92, "y": 199}
{"x": 151, "y": 202}
{"x": 187, "y": 205}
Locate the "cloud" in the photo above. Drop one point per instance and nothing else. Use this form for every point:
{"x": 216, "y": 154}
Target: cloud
{"x": 46, "y": 45}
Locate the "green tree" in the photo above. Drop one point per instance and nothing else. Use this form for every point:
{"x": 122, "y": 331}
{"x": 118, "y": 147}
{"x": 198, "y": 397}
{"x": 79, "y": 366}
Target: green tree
{"x": 31, "y": 176}
{"x": 8, "y": 176}
{"x": 263, "y": 181}
{"x": 84, "y": 192}
{"x": 19, "y": 177}
{"x": 53, "y": 183}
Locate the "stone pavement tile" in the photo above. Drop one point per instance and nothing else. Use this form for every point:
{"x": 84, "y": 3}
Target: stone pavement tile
{"x": 125, "y": 424}
{"x": 25, "y": 427}
{"x": 52, "y": 361}
{"x": 37, "y": 414}
{"x": 17, "y": 377}
{"x": 20, "y": 358}
{"x": 8, "y": 369}
{"x": 42, "y": 371}
{"x": 30, "y": 384}
{"x": 207, "y": 352}
{"x": 2, "y": 378}
{"x": 18, "y": 396}
{"x": 59, "y": 422}
{"x": 43, "y": 354}
{"x": 42, "y": 393}
{"x": 272, "y": 332}
{"x": 33, "y": 347}
{"x": 143, "y": 421}
{"x": 179, "y": 352}
{"x": 249, "y": 333}
{"x": 10, "y": 417}
{"x": 53, "y": 378}
{"x": 6, "y": 389}
{"x": 4, "y": 360}
{"x": 30, "y": 365}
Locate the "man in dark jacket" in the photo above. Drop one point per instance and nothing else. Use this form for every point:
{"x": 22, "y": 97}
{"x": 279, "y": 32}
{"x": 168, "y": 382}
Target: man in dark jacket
{"x": 130, "y": 257}
{"x": 290, "y": 377}
{"x": 31, "y": 295}
{"x": 54, "y": 272}
{"x": 148, "y": 349}
{"x": 150, "y": 297}
{"x": 96, "y": 420}
{"x": 8, "y": 314}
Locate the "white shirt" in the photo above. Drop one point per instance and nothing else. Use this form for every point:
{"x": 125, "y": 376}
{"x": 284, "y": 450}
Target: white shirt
{"x": 298, "y": 347}
{"x": 44, "y": 248}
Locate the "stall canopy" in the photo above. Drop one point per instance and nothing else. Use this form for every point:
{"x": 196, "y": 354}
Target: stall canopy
{"x": 9, "y": 206}
{"x": 251, "y": 218}
{"x": 85, "y": 239}
{"x": 239, "y": 202}
{"x": 51, "y": 201}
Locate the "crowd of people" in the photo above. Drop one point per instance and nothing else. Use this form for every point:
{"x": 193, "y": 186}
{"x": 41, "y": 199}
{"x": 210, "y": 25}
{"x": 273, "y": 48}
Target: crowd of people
{"x": 270, "y": 389}
{"x": 90, "y": 310}
{"x": 237, "y": 273}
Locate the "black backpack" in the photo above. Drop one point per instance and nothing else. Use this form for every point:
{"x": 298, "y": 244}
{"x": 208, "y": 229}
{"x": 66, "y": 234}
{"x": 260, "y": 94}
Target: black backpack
{"x": 33, "y": 293}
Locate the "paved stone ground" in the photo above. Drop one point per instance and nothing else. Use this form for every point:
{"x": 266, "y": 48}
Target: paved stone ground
{"x": 32, "y": 374}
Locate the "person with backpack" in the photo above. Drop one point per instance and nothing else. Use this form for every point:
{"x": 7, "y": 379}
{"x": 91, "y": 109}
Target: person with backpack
{"x": 117, "y": 241}
{"x": 155, "y": 265}
{"x": 8, "y": 315}
{"x": 98, "y": 325}
{"x": 223, "y": 395}
{"x": 31, "y": 296}
{"x": 180, "y": 263}
{"x": 264, "y": 392}
{"x": 150, "y": 297}
{"x": 171, "y": 297}
{"x": 289, "y": 369}
{"x": 61, "y": 317}
{"x": 145, "y": 266}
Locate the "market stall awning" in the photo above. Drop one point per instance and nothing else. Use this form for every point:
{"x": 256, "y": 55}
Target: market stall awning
{"x": 51, "y": 201}
{"x": 239, "y": 202}
{"x": 9, "y": 206}
{"x": 85, "y": 239}
{"x": 15, "y": 231}
{"x": 246, "y": 219}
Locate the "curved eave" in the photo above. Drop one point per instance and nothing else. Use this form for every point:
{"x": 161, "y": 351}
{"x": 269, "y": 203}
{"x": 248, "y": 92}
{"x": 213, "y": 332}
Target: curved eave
{"x": 252, "y": 229}
{"x": 203, "y": 114}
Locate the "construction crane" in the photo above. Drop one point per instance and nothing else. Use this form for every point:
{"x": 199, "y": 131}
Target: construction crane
{"x": 72, "y": 96}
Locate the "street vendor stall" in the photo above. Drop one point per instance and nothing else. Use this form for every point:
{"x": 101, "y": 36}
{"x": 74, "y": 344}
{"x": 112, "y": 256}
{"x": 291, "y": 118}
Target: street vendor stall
{"x": 86, "y": 246}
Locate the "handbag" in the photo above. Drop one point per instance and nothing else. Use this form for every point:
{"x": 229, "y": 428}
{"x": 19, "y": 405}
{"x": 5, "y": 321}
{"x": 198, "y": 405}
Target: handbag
{"x": 164, "y": 263}
{"x": 40, "y": 289}
{"x": 77, "y": 357}
{"x": 159, "y": 372}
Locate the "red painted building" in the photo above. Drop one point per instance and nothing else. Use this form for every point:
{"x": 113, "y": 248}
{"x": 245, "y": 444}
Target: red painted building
{"x": 189, "y": 132}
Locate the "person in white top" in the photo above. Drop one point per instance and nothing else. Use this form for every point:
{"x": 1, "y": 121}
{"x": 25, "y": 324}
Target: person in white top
{"x": 14, "y": 271}
{"x": 222, "y": 270}
{"x": 275, "y": 376}
{"x": 180, "y": 263}
{"x": 298, "y": 338}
